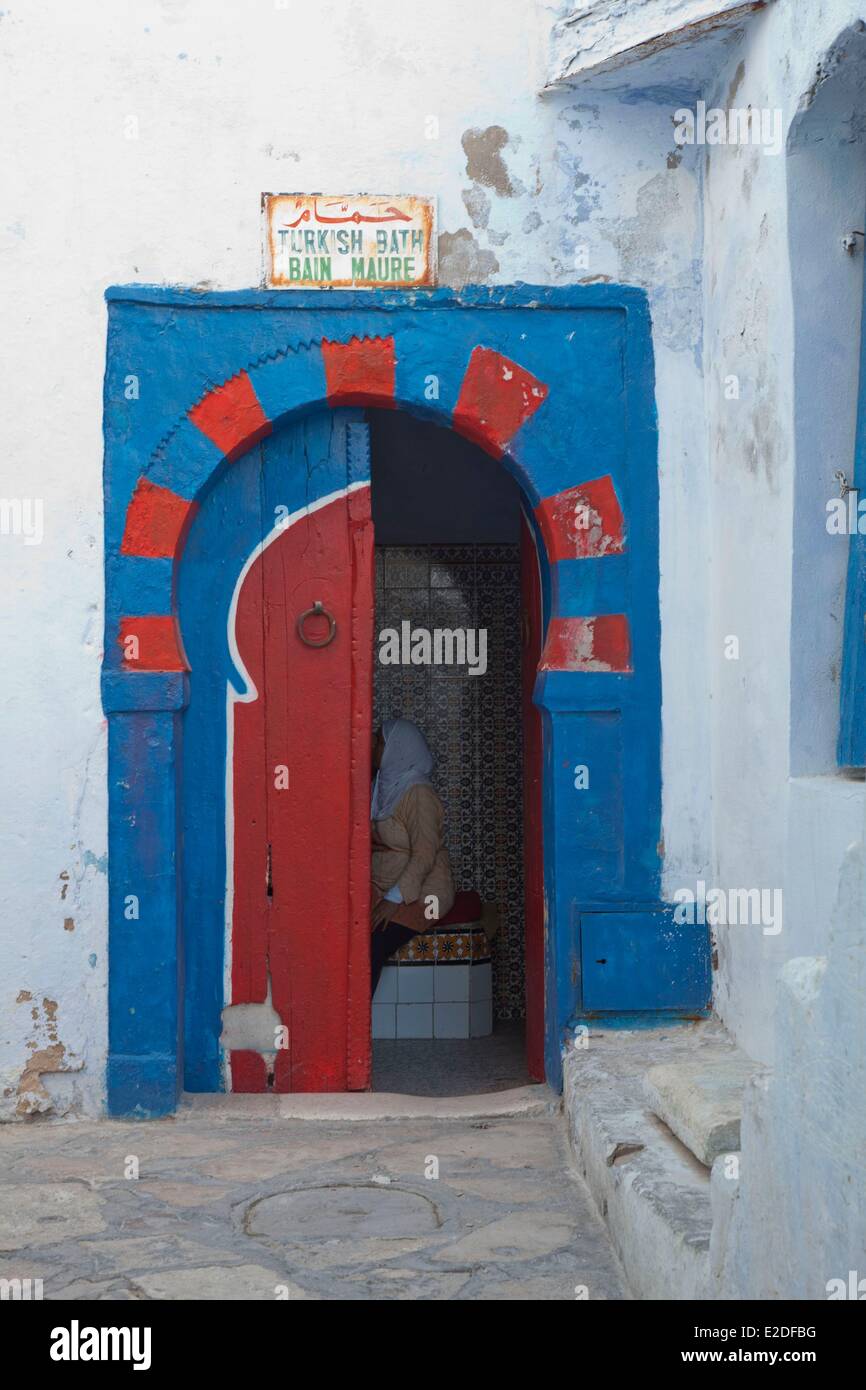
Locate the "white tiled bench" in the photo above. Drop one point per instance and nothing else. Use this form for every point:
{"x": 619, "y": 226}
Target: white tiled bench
{"x": 440, "y": 983}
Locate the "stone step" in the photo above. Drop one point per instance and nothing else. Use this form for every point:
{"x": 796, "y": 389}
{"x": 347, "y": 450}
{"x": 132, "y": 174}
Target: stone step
{"x": 700, "y": 1099}
{"x": 649, "y": 1186}
{"x": 651, "y": 1192}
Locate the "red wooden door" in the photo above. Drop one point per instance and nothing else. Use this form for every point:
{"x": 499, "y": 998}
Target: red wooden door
{"x": 301, "y": 786}
{"x": 533, "y": 845}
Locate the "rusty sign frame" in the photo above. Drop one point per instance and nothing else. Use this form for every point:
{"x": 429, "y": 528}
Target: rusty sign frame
{"x": 422, "y": 206}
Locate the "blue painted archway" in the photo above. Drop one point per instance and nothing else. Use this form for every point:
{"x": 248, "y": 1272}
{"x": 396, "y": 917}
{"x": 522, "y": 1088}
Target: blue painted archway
{"x": 558, "y": 384}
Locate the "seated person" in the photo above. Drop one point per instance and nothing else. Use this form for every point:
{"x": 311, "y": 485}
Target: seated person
{"x": 410, "y": 863}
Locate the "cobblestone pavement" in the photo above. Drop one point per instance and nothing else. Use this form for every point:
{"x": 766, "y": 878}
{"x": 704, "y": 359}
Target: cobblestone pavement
{"x": 266, "y": 1208}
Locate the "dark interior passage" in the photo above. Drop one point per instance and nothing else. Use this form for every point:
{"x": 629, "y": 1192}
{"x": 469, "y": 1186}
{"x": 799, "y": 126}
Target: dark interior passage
{"x": 433, "y": 487}
{"x": 447, "y": 522}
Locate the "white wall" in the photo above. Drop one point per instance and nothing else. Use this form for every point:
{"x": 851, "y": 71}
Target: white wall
{"x": 782, "y": 313}
{"x": 793, "y": 1225}
{"x": 826, "y": 177}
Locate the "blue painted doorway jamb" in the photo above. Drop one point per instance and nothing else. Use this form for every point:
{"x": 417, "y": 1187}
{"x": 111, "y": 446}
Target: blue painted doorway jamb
{"x": 556, "y": 383}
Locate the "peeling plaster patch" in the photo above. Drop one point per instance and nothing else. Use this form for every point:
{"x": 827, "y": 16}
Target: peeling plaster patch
{"x": 50, "y": 1007}
{"x": 651, "y": 254}
{"x": 675, "y": 159}
{"x": 64, "y": 877}
{"x": 462, "y": 261}
{"x": 578, "y": 205}
{"x": 477, "y": 204}
{"x": 24, "y": 996}
{"x": 577, "y": 122}
{"x": 33, "y": 1098}
{"x": 484, "y": 162}
{"x": 531, "y": 221}
{"x": 68, "y": 924}
{"x": 90, "y": 860}
{"x": 47, "y": 1054}
{"x": 497, "y": 238}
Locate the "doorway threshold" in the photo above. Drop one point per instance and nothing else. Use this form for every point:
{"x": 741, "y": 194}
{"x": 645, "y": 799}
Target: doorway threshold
{"x": 346, "y": 1106}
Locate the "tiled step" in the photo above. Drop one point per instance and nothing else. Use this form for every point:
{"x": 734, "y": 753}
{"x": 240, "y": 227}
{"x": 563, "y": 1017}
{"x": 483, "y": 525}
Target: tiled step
{"x": 453, "y": 1000}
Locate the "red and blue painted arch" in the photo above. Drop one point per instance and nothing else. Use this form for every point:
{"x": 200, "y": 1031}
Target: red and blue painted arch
{"x": 558, "y": 384}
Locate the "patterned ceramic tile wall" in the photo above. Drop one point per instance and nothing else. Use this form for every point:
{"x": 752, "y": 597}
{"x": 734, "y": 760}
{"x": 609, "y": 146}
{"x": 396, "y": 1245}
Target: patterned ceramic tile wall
{"x": 472, "y": 723}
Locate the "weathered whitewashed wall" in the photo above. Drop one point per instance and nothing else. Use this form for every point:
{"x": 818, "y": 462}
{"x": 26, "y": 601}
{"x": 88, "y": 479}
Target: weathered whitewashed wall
{"x": 144, "y": 135}
{"x": 783, "y": 314}
{"x": 793, "y": 1225}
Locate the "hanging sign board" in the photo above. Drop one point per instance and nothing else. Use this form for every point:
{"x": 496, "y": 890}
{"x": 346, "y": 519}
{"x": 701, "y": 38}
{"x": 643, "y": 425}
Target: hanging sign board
{"x": 358, "y": 241}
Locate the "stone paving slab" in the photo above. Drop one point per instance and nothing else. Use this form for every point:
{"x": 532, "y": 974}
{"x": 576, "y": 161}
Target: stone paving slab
{"x": 266, "y": 1208}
